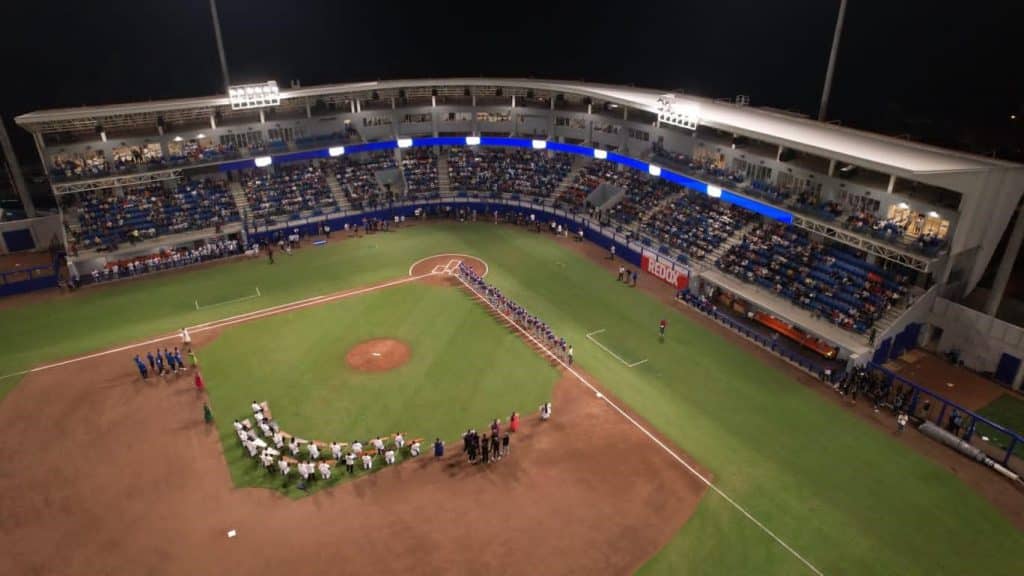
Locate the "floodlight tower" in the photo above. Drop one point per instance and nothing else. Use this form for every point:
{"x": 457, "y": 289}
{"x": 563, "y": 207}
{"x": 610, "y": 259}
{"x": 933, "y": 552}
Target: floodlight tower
{"x": 220, "y": 45}
{"x": 831, "y": 61}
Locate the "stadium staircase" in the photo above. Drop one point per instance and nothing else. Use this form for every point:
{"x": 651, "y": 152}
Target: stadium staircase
{"x": 578, "y": 164}
{"x": 729, "y": 243}
{"x": 337, "y": 191}
{"x": 238, "y": 194}
{"x": 444, "y": 182}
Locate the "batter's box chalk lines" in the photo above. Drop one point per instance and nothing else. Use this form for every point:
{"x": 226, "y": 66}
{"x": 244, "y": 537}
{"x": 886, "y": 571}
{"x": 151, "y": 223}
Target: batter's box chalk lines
{"x": 653, "y": 438}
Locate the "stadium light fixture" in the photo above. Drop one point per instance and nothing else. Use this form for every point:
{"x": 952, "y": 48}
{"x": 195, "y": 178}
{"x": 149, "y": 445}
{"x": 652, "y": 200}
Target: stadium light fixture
{"x": 933, "y": 214}
{"x": 714, "y": 191}
{"x": 178, "y": 138}
{"x": 600, "y": 154}
{"x": 903, "y": 205}
{"x": 675, "y": 113}
{"x": 249, "y": 96}
{"x": 472, "y": 140}
{"x": 654, "y": 170}
{"x": 335, "y": 151}
{"x": 200, "y": 135}
{"x": 539, "y": 144}
{"x": 264, "y": 161}
{"x": 405, "y": 142}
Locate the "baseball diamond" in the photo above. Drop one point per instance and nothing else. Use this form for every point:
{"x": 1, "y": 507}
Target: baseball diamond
{"x": 505, "y": 326}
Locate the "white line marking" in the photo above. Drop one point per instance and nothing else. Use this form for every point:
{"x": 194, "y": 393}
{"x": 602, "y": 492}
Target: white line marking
{"x": 590, "y": 336}
{"x": 229, "y": 321}
{"x": 486, "y": 267}
{"x": 653, "y": 438}
{"x": 232, "y": 301}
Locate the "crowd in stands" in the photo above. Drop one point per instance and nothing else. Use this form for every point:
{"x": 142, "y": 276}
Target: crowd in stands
{"x": 500, "y": 171}
{"x": 893, "y": 229}
{"x": 166, "y": 260}
{"x": 358, "y": 178}
{"x": 642, "y": 193}
{"x": 108, "y": 218}
{"x": 420, "y": 168}
{"x": 769, "y": 192}
{"x": 810, "y": 202}
{"x": 574, "y": 196}
{"x": 192, "y": 151}
{"x": 695, "y": 224}
{"x": 93, "y": 166}
{"x": 287, "y": 190}
{"x": 827, "y": 280}
{"x": 701, "y": 165}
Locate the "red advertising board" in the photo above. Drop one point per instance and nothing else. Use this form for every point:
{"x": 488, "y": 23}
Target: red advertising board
{"x": 674, "y": 276}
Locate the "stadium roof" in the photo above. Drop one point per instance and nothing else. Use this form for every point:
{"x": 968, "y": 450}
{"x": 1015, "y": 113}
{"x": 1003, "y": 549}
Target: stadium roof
{"x": 872, "y": 151}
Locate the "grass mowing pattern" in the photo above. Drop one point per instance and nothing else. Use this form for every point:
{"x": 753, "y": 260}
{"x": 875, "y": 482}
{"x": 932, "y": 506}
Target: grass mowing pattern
{"x": 842, "y": 493}
{"x": 465, "y": 370}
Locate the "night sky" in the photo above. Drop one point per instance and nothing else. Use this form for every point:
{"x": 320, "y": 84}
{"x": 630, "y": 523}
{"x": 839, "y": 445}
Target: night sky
{"x": 947, "y": 75}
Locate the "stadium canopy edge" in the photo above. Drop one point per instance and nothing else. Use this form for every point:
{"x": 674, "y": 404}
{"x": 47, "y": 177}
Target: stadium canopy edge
{"x": 711, "y": 190}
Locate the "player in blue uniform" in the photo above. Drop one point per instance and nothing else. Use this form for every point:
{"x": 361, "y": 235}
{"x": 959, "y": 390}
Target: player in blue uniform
{"x": 141, "y": 366}
{"x": 159, "y": 363}
{"x": 178, "y": 360}
{"x": 152, "y": 364}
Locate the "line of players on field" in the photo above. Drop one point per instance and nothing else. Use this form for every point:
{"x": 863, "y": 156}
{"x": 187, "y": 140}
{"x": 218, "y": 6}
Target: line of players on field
{"x": 533, "y": 325}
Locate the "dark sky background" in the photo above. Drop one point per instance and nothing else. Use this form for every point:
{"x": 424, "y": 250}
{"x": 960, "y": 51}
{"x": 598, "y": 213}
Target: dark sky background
{"x": 949, "y": 75}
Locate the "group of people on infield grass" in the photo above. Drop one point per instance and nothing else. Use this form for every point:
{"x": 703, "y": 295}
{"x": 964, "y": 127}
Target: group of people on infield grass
{"x": 280, "y": 452}
{"x": 530, "y": 323}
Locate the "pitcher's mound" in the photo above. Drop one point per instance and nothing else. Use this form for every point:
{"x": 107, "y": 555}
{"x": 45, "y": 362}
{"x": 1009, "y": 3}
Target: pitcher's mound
{"x": 378, "y": 355}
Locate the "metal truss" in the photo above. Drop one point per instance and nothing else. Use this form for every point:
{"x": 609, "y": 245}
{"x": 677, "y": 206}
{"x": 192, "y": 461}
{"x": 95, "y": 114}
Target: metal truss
{"x": 60, "y": 188}
{"x": 880, "y": 249}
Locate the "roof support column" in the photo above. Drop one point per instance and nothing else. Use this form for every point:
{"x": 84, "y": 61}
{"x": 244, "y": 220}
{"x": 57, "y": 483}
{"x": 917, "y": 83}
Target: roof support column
{"x": 14, "y": 170}
{"x": 892, "y": 184}
{"x": 995, "y": 297}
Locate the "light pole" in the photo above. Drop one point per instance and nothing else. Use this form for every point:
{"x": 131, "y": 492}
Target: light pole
{"x": 220, "y": 45}
{"x": 831, "y": 61}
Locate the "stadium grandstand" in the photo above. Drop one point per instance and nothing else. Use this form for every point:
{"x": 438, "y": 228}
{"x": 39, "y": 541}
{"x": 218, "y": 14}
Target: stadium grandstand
{"x": 849, "y": 236}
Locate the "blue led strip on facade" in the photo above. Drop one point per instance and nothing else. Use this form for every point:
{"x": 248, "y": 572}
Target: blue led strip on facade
{"x": 674, "y": 177}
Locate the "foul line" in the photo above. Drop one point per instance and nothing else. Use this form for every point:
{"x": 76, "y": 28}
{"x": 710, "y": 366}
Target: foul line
{"x": 231, "y": 301}
{"x": 646, "y": 432}
{"x": 229, "y": 321}
{"x": 590, "y": 336}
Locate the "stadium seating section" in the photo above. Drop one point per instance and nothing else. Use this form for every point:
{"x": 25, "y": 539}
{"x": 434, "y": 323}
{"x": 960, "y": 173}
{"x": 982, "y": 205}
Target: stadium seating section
{"x": 288, "y": 190}
{"x": 107, "y": 218}
{"x": 695, "y": 224}
{"x": 828, "y": 280}
{"x": 357, "y": 176}
{"x": 500, "y": 171}
{"x": 420, "y": 169}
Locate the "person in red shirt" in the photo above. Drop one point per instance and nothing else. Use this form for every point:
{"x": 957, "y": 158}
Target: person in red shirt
{"x": 199, "y": 382}
{"x": 661, "y": 328}
{"x": 513, "y": 422}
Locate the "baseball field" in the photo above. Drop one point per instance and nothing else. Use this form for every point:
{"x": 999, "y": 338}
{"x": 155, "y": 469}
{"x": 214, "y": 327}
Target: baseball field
{"x": 696, "y": 455}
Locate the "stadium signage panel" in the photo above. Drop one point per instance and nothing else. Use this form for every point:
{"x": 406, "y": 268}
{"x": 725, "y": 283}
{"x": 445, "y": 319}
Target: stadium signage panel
{"x": 665, "y": 272}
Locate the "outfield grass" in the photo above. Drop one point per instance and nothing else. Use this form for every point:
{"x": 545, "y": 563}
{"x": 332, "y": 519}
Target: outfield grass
{"x": 844, "y": 494}
{"x": 464, "y": 371}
